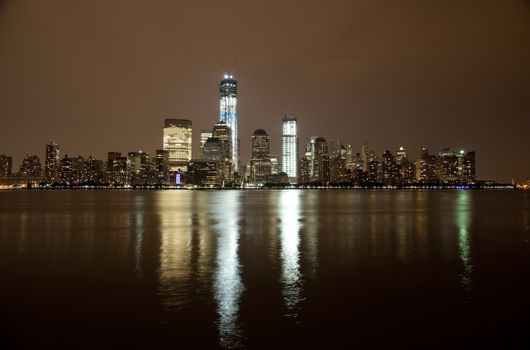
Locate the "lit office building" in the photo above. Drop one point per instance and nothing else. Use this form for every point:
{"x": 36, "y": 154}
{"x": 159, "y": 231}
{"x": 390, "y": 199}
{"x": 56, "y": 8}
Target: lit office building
{"x": 275, "y": 164}
{"x": 6, "y": 164}
{"x": 214, "y": 149}
{"x": 117, "y": 169}
{"x": 178, "y": 141}
{"x": 448, "y": 169}
{"x": 30, "y": 167}
{"x": 338, "y": 172}
{"x": 93, "y": 170}
{"x": 317, "y": 155}
{"x": 52, "y": 162}
{"x": 401, "y": 154}
{"x": 67, "y": 171}
{"x": 139, "y": 167}
{"x": 223, "y": 132}
{"x": 204, "y": 172}
{"x": 260, "y": 163}
{"x": 205, "y": 135}
{"x": 228, "y": 114}
{"x": 162, "y": 166}
{"x": 426, "y": 168}
{"x": 466, "y": 166}
{"x": 390, "y": 169}
{"x": 290, "y": 148}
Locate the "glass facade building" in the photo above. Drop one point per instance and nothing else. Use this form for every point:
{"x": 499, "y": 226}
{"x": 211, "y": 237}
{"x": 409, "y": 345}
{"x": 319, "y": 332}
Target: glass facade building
{"x": 228, "y": 113}
{"x": 290, "y": 148}
{"x": 177, "y": 141}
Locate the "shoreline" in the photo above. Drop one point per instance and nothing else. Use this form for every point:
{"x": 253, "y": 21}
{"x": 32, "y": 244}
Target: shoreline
{"x": 265, "y": 188}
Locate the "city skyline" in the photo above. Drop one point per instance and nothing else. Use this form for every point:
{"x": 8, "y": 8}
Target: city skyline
{"x": 352, "y": 72}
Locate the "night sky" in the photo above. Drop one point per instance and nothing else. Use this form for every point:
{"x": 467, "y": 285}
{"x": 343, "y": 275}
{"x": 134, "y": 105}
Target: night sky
{"x": 98, "y": 76}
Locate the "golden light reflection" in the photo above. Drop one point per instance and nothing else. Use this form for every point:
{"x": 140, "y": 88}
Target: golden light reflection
{"x": 175, "y": 235}
{"x": 289, "y": 209}
{"x": 463, "y": 221}
{"x": 228, "y": 286}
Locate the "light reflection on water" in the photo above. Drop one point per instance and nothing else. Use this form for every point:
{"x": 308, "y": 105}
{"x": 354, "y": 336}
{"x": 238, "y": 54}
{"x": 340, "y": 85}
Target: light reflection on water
{"x": 228, "y": 286}
{"x": 289, "y": 208}
{"x": 138, "y": 233}
{"x": 187, "y": 260}
{"x": 175, "y": 236}
{"x": 464, "y": 207}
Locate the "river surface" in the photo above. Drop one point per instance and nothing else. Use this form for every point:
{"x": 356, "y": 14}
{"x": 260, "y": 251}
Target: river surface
{"x": 264, "y": 269}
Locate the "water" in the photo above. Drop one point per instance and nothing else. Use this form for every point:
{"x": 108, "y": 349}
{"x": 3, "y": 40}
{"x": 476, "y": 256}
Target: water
{"x": 264, "y": 269}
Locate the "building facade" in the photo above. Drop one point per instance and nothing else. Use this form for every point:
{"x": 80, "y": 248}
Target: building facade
{"x": 260, "y": 162}
{"x": 52, "y": 162}
{"x": 178, "y": 142}
{"x": 6, "y": 166}
{"x": 290, "y": 149}
{"x": 228, "y": 114}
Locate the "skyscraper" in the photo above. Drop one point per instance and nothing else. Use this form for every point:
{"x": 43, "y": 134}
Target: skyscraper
{"x": 228, "y": 113}
{"x": 222, "y": 131}
{"x": 205, "y": 135}
{"x": 52, "y": 162}
{"x": 290, "y": 148}
{"x": 6, "y": 164}
{"x": 177, "y": 140}
{"x": 260, "y": 163}
{"x": 30, "y": 167}
{"x": 317, "y": 155}
{"x": 161, "y": 166}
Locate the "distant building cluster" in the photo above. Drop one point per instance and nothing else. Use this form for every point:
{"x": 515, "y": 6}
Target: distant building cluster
{"x": 219, "y": 165}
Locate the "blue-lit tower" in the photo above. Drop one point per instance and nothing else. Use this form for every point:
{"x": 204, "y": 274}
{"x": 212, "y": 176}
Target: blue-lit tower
{"x": 228, "y": 113}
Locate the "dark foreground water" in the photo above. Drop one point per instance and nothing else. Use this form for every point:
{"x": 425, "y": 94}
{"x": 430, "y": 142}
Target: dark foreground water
{"x": 264, "y": 269}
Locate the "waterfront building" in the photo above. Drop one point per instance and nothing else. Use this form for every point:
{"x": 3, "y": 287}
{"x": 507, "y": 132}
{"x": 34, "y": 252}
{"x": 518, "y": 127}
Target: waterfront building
{"x": 52, "y": 162}
{"x": 30, "y": 167}
{"x": 204, "y": 172}
{"x": 304, "y": 177}
{"x": 275, "y": 164}
{"x": 338, "y": 172}
{"x": 467, "y": 171}
{"x": 290, "y": 147}
{"x": 350, "y": 158}
{"x": 373, "y": 175}
{"x": 223, "y": 132}
{"x": 93, "y": 170}
{"x": 178, "y": 142}
{"x": 317, "y": 156}
{"x": 117, "y": 169}
{"x": 67, "y": 171}
{"x": 448, "y": 166}
{"x": 6, "y": 166}
{"x": 390, "y": 170}
{"x": 365, "y": 156}
{"x": 426, "y": 168}
{"x": 162, "y": 166}
{"x": 401, "y": 154}
{"x": 228, "y": 114}
{"x": 139, "y": 169}
{"x": 205, "y": 135}
{"x": 214, "y": 149}
{"x": 260, "y": 162}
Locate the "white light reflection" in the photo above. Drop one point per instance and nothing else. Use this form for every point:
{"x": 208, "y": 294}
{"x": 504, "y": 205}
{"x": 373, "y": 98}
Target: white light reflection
{"x": 139, "y": 232}
{"x": 228, "y": 286}
{"x": 290, "y": 226}
{"x": 463, "y": 220}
